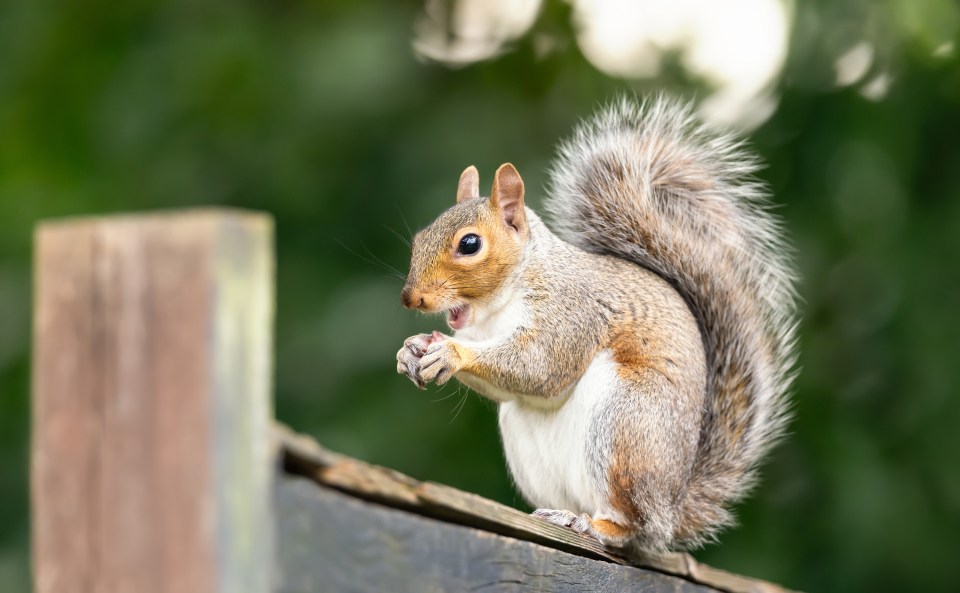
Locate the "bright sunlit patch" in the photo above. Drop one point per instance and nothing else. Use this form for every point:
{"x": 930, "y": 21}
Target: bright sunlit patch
{"x": 878, "y": 87}
{"x": 944, "y": 50}
{"x": 626, "y": 37}
{"x": 851, "y": 66}
{"x": 467, "y": 31}
{"x": 738, "y": 46}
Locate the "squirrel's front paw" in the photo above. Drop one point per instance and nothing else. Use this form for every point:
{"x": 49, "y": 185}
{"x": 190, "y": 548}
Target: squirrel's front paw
{"x": 441, "y": 361}
{"x": 408, "y": 357}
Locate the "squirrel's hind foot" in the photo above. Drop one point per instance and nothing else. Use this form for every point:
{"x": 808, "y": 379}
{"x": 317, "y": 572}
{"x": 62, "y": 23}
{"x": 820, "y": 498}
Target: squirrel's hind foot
{"x": 578, "y": 523}
{"x": 606, "y": 532}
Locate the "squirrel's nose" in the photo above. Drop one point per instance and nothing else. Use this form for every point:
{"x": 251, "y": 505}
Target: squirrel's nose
{"x": 410, "y": 298}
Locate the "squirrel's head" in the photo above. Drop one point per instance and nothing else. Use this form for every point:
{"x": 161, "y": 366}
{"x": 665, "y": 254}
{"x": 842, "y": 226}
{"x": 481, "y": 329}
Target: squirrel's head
{"x": 461, "y": 260}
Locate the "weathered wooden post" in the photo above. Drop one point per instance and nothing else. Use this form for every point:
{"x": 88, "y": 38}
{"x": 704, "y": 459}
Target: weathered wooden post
{"x": 151, "y": 464}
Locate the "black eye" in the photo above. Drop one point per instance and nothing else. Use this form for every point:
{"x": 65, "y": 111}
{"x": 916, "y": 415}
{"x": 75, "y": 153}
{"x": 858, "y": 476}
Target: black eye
{"x": 469, "y": 244}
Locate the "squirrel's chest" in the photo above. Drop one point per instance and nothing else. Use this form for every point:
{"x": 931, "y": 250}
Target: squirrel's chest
{"x": 553, "y": 454}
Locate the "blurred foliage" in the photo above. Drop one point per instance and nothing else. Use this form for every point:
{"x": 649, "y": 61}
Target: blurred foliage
{"x": 320, "y": 114}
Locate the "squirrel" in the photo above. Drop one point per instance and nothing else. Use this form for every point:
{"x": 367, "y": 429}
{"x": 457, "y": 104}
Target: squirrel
{"x": 642, "y": 351}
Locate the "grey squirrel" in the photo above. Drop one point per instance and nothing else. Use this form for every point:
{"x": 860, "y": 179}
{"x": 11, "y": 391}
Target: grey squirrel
{"x": 640, "y": 352}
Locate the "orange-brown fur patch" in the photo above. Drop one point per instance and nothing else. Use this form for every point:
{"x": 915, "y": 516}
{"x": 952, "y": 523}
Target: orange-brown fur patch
{"x": 635, "y": 351}
{"x": 466, "y": 354}
{"x": 611, "y": 530}
{"x": 480, "y": 275}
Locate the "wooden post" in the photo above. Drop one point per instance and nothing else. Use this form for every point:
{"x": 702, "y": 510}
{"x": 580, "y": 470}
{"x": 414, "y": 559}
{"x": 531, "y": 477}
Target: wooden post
{"x": 151, "y": 463}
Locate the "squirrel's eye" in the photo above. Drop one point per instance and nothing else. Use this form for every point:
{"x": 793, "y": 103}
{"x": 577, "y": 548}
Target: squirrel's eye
{"x": 469, "y": 244}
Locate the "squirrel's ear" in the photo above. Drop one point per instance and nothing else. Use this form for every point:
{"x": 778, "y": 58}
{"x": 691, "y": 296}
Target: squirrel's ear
{"x": 469, "y": 186}
{"x": 507, "y": 197}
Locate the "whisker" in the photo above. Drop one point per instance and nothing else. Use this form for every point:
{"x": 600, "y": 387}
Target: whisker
{"x": 383, "y": 263}
{"x": 380, "y": 264}
{"x": 447, "y": 396}
{"x": 399, "y": 236}
{"x": 463, "y": 403}
{"x": 404, "y": 219}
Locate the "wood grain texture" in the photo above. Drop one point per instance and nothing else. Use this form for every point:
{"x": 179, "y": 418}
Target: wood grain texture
{"x": 151, "y": 467}
{"x": 304, "y": 456}
{"x": 329, "y": 541}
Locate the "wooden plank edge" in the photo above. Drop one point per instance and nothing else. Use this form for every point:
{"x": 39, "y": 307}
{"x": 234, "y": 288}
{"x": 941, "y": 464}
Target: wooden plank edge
{"x": 302, "y": 455}
{"x": 333, "y": 541}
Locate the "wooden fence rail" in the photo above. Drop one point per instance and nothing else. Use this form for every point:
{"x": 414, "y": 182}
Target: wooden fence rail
{"x": 157, "y": 467}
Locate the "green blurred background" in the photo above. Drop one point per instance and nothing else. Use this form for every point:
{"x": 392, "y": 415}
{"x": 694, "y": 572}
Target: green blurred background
{"x": 349, "y": 121}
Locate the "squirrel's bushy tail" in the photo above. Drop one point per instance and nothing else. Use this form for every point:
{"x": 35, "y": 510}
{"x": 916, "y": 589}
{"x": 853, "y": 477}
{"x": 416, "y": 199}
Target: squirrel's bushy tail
{"x": 650, "y": 183}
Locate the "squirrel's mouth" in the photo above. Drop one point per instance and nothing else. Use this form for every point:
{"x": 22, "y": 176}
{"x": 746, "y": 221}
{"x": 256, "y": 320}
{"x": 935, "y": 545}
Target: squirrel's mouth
{"x": 458, "y": 316}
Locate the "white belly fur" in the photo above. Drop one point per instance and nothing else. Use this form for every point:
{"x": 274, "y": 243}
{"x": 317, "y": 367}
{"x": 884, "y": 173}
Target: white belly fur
{"x": 546, "y": 449}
